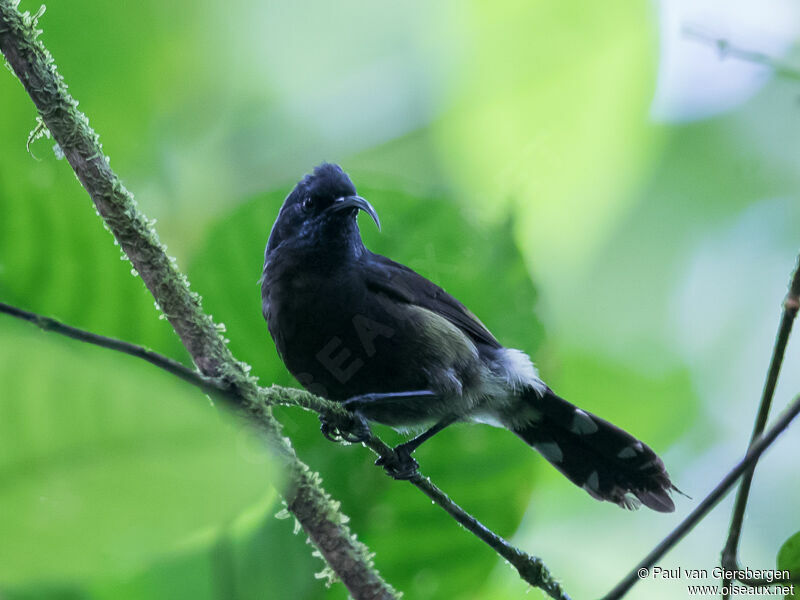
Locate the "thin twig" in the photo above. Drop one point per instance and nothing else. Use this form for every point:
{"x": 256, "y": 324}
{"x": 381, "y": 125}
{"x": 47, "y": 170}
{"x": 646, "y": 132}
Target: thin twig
{"x": 179, "y": 370}
{"x": 753, "y": 454}
{"x": 730, "y": 560}
{"x": 530, "y": 568}
{"x": 272, "y": 396}
{"x": 217, "y": 388}
{"x": 727, "y": 49}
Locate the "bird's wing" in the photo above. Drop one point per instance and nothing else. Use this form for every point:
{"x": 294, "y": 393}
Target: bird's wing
{"x": 402, "y": 284}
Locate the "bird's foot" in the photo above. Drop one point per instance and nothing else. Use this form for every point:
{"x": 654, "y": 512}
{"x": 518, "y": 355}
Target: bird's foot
{"x": 351, "y": 428}
{"x": 399, "y": 464}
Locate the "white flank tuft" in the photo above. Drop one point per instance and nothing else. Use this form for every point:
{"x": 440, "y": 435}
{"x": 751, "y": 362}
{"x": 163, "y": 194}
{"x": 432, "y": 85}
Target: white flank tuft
{"x": 520, "y": 371}
{"x": 594, "y": 481}
{"x": 551, "y": 451}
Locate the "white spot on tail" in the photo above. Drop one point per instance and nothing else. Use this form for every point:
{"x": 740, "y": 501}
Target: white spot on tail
{"x": 627, "y": 452}
{"x": 520, "y": 372}
{"x": 655, "y": 461}
{"x": 594, "y": 481}
{"x": 592, "y": 492}
{"x": 550, "y": 451}
{"x": 582, "y": 423}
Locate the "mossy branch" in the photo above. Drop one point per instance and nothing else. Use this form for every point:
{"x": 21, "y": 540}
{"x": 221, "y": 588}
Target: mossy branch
{"x": 219, "y": 373}
{"x": 304, "y": 496}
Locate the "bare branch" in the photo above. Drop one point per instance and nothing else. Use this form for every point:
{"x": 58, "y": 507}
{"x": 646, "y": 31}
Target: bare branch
{"x": 723, "y": 487}
{"x": 726, "y": 49}
{"x": 745, "y": 467}
{"x": 530, "y": 568}
{"x": 210, "y": 386}
{"x": 791, "y": 304}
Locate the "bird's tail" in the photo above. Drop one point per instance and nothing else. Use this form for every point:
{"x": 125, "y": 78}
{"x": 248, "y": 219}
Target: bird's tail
{"x": 604, "y": 460}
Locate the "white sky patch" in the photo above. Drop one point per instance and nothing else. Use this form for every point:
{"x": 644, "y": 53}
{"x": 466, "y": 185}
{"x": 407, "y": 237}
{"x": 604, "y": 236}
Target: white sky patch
{"x": 694, "y": 81}
{"x": 360, "y": 73}
{"x": 521, "y": 372}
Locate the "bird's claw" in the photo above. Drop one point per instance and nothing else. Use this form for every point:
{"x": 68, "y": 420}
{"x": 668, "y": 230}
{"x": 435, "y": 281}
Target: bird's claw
{"x": 352, "y": 428}
{"x": 399, "y": 464}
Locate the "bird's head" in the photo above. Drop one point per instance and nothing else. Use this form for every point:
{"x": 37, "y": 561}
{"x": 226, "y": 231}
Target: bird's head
{"x": 321, "y": 208}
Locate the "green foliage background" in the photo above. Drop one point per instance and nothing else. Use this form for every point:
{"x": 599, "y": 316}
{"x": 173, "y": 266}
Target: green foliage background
{"x": 509, "y": 151}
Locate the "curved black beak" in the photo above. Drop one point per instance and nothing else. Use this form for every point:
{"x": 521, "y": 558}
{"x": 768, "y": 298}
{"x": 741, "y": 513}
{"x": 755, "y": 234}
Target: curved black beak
{"x": 358, "y": 203}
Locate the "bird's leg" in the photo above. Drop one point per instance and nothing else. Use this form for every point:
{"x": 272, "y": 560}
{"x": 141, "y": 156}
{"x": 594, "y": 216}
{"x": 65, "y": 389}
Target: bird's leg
{"x": 389, "y": 407}
{"x": 369, "y": 406}
{"x": 400, "y": 464}
{"x": 412, "y": 444}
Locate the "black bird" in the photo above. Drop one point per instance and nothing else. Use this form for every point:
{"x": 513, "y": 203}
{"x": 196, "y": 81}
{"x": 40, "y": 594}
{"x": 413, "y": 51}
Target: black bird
{"x": 356, "y": 327}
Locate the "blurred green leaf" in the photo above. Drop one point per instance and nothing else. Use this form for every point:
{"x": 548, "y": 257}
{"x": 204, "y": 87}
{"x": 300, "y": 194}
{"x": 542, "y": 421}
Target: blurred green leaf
{"x": 45, "y": 592}
{"x": 789, "y": 559}
{"x": 253, "y": 557}
{"x": 549, "y": 117}
{"x": 56, "y": 258}
{"x": 655, "y": 408}
{"x": 106, "y": 462}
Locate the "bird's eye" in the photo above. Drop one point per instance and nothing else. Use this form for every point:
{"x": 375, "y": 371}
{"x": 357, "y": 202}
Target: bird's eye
{"x": 308, "y": 204}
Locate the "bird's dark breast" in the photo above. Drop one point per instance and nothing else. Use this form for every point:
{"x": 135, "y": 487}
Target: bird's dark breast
{"x": 339, "y": 339}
